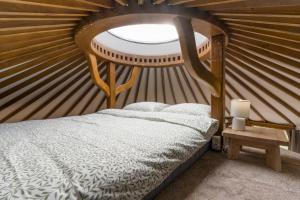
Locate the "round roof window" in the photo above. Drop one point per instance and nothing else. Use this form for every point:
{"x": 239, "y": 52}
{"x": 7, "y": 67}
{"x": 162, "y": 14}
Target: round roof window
{"x": 146, "y": 33}
{"x": 144, "y": 45}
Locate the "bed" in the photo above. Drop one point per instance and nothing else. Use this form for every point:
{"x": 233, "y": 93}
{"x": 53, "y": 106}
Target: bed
{"x": 111, "y": 154}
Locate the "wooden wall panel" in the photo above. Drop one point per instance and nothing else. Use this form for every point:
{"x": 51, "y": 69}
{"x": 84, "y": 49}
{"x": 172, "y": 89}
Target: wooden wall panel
{"x": 44, "y": 75}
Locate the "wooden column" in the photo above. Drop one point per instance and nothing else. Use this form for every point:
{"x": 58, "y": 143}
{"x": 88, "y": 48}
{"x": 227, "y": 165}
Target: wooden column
{"x": 218, "y": 70}
{"x": 111, "y": 81}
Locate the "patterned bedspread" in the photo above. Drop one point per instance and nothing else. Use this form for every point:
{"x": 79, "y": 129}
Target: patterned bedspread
{"x": 112, "y": 154}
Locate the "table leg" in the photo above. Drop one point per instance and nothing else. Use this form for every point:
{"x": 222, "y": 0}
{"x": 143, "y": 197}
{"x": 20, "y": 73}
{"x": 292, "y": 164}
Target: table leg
{"x": 233, "y": 149}
{"x": 273, "y": 159}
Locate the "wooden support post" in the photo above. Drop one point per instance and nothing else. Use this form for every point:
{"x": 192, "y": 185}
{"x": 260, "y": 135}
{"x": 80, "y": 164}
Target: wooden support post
{"x": 111, "y": 81}
{"x": 218, "y": 70}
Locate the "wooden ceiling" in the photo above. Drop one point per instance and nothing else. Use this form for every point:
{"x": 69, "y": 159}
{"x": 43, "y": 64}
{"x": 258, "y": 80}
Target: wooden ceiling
{"x": 43, "y": 74}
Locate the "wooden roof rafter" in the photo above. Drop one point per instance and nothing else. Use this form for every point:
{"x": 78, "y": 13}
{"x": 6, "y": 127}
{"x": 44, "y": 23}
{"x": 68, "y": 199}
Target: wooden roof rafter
{"x": 251, "y": 5}
{"x": 122, "y": 2}
{"x": 157, "y": 2}
{"x": 203, "y": 3}
{"x": 178, "y": 2}
{"x": 79, "y": 5}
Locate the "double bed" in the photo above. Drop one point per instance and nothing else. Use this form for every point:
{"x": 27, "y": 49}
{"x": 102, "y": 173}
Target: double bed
{"x": 111, "y": 154}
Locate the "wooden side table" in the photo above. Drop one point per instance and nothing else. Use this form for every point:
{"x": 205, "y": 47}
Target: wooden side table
{"x": 259, "y": 137}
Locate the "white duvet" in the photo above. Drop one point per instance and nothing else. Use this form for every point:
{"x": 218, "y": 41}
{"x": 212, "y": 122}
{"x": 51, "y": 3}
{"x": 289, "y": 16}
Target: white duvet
{"x": 112, "y": 154}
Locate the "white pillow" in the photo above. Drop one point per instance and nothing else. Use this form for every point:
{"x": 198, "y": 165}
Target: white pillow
{"x": 189, "y": 109}
{"x": 146, "y": 106}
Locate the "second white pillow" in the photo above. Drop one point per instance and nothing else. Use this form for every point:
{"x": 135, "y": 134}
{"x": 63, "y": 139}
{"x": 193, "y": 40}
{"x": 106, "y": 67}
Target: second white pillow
{"x": 146, "y": 106}
{"x": 189, "y": 109}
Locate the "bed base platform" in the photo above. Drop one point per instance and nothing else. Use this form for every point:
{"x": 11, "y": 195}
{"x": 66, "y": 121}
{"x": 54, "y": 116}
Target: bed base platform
{"x": 178, "y": 171}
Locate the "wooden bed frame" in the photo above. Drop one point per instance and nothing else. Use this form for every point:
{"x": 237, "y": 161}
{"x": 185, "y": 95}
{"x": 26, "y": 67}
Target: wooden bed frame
{"x": 187, "y": 21}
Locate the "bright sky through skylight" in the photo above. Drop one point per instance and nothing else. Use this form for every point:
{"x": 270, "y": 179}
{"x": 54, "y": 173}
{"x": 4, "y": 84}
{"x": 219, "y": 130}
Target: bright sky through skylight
{"x": 146, "y": 33}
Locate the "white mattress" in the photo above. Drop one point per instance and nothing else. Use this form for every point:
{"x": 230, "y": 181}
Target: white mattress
{"x": 112, "y": 154}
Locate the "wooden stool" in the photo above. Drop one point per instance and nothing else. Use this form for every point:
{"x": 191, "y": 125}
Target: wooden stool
{"x": 259, "y": 137}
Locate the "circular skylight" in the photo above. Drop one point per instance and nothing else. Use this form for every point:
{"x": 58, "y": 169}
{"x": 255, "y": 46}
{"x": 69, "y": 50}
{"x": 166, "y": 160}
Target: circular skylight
{"x": 146, "y": 33}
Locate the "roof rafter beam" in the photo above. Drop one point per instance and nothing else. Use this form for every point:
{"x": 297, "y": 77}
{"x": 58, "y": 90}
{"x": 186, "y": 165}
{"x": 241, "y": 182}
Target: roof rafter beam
{"x": 99, "y": 3}
{"x": 246, "y": 5}
{"x": 53, "y": 4}
{"x": 177, "y": 2}
{"x": 156, "y": 2}
{"x": 122, "y": 2}
{"x": 202, "y": 3}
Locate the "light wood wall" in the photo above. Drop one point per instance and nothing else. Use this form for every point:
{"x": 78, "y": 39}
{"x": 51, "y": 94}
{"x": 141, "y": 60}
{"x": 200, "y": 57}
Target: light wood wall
{"x": 44, "y": 75}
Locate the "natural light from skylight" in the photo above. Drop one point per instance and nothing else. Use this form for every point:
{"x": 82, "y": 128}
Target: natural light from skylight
{"x": 146, "y": 33}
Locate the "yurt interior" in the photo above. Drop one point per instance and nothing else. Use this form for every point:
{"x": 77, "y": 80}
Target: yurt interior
{"x": 150, "y": 99}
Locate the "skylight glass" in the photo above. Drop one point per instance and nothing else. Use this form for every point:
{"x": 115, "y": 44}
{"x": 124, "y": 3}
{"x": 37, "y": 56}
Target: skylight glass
{"x": 146, "y": 33}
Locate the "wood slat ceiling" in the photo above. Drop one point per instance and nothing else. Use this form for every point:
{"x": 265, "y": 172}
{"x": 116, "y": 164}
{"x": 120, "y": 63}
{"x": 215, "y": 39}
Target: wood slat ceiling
{"x": 44, "y": 75}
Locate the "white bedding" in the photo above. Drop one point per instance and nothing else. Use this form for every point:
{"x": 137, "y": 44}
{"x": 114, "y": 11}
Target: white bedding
{"x": 112, "y": 154}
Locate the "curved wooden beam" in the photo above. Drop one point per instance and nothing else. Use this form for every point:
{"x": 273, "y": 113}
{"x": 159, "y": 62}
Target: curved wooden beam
{"x": 189, "y": 53}
{"x": 92, "y": 60}
{"x": 134, "y": 74}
